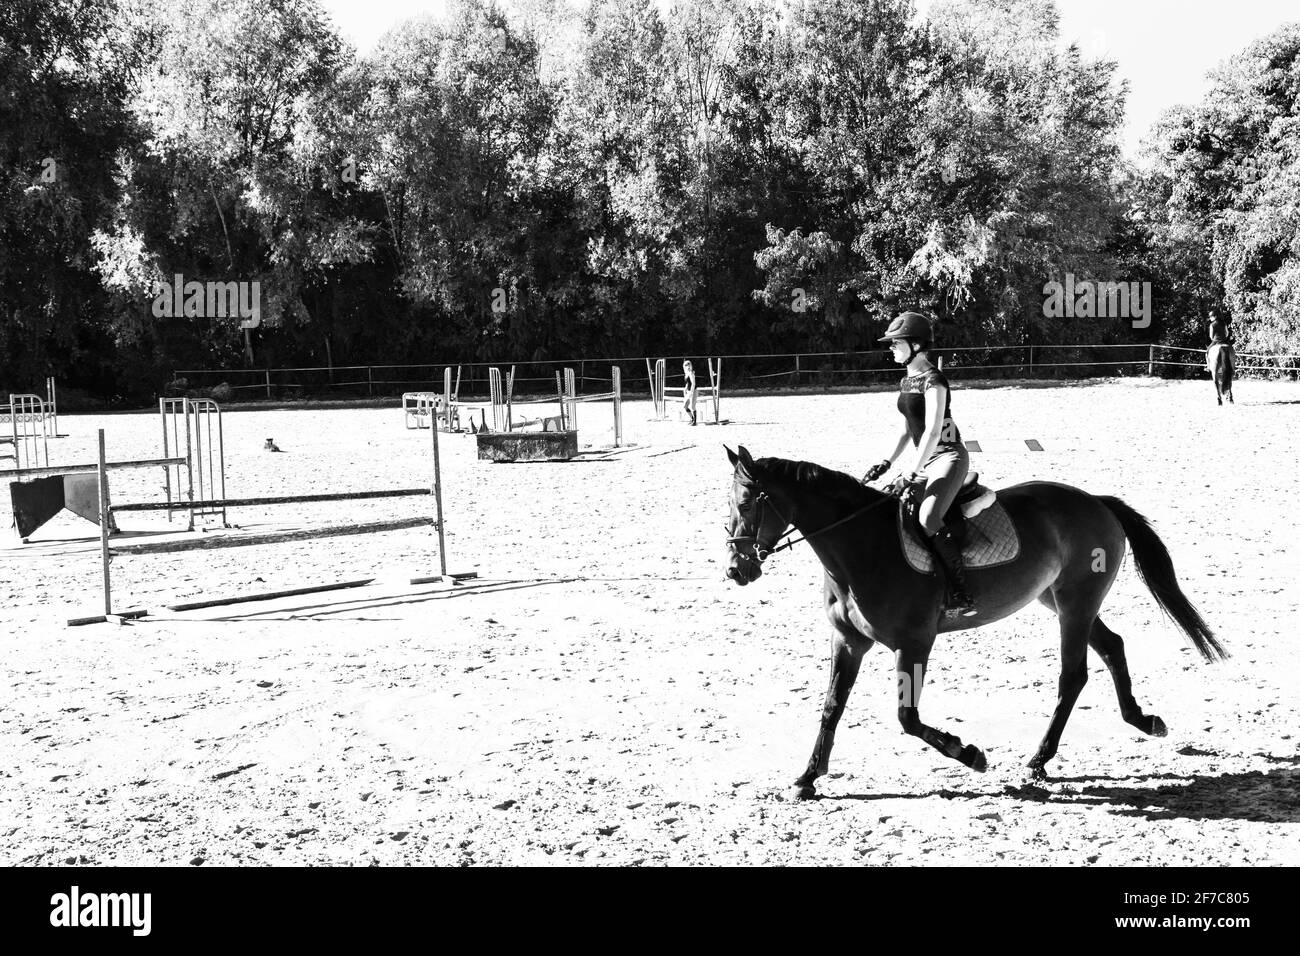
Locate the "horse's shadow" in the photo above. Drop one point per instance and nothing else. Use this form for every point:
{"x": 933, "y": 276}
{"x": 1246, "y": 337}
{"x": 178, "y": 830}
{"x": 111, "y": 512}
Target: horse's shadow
{"x": 1257, "y": 796}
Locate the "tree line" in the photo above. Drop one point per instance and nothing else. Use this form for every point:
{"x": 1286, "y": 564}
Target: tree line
{"x": 535, "y": 181}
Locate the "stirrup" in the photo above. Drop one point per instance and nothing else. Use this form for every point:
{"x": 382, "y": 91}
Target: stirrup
{"x": 960, "y": 608}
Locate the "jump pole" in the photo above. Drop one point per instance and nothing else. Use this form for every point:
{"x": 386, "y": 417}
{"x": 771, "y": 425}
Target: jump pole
{"x": 446, "y": 399}
{"x": 104, "y": 515}
{"x": 715, "y": 385}
{"x": 571, "y": 385}
{"x": 617, "y": 381}
{"x": 661, "y": 378}
{"x": 52, "y": 400}
{"x": 437, "y": 500}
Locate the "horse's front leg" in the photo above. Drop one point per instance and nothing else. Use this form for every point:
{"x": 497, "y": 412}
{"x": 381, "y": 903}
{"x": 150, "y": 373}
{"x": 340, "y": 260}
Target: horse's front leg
{"x": 909, "y": 663}
{"x": 848, "y": 647}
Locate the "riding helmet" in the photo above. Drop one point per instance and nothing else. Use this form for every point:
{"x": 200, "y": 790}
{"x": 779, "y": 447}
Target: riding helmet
{"x": 909, "y": 325}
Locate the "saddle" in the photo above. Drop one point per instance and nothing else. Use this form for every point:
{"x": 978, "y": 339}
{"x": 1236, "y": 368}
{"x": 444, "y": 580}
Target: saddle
{"x": 982, "y": 525}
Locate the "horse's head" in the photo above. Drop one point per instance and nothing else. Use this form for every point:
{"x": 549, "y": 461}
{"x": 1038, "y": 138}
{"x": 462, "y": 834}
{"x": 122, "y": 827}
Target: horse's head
{"x": 756, "y": 524}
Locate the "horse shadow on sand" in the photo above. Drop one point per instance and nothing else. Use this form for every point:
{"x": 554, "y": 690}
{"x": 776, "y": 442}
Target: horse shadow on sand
{"x": 1256, "y": 796}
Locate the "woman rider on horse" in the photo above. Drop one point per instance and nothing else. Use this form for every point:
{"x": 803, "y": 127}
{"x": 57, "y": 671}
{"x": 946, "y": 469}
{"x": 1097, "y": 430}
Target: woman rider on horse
{"x": 931, "y": 446}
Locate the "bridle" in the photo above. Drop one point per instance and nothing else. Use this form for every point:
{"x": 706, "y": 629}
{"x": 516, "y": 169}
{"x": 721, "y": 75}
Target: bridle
{"x": 763, "y": 552}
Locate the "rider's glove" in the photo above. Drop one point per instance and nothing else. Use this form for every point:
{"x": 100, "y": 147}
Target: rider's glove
{"x": 875, "y": 471}
{"x": 908, "y": 486}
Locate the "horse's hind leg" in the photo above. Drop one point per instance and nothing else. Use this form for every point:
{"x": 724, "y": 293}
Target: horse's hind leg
{"x": 1110, "y": 648}
{"x": 1076, "y": 614}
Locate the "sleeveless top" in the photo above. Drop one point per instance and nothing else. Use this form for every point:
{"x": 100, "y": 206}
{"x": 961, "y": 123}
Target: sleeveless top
{"x": 911, "y": 402}
{"x": 1219, "y": 333}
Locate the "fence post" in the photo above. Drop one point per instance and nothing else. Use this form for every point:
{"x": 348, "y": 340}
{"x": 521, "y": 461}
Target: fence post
{"x": 370, "y": 381}
{"x": 1031, "y": 358}
{"x": 268, "y": 383}
{"x": 797, "y": 369}
{"x": 1151, "y": 360}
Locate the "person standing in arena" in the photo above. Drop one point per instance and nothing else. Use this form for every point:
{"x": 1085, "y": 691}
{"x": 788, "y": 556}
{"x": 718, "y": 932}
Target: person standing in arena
{"x": 688, "y": 389}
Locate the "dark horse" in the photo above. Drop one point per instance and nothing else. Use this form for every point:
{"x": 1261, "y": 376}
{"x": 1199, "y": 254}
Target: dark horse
{"x": 1222, "y": 362}
{"x": 1071, "y": 548}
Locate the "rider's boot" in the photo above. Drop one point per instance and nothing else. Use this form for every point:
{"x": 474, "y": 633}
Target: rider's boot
{"x": 947, "y": 550}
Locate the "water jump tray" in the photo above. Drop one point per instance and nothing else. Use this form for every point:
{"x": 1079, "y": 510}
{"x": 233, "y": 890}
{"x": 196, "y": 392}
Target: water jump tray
{"x": 527, "y": 446}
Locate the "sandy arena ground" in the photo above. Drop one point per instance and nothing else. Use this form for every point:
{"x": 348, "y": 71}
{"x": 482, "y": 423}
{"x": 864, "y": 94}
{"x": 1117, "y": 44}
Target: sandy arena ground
{"x": 601, "y": 695}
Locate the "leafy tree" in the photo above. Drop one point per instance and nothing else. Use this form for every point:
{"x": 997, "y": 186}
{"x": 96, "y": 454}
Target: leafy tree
{"x": 64, "y": 73}
{"x": 1233, "y": 167}
{"x": 226, "y": 185}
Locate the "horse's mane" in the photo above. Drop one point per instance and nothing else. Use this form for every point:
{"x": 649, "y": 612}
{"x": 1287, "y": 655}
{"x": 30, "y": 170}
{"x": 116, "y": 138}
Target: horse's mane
{"x": 815, "y": 478}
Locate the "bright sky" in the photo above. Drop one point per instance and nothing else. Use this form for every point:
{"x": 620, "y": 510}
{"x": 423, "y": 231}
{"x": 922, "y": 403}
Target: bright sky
{"x": 1164, "y": 47}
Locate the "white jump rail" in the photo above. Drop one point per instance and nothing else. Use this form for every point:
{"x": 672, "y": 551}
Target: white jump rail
{"x": 106, "y": 510}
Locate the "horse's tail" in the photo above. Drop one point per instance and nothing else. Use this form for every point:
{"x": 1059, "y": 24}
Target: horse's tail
{"x": 1157, "y": 571}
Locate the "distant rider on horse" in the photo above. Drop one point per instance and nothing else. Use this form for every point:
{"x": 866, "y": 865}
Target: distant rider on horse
{"x": 1220, "y": 334}
{"x": 1221, "y": 357}
{"x": 931, "y": 445}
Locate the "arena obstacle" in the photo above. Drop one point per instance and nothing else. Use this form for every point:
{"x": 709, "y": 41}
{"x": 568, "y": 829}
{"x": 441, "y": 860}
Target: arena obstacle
{"x": 571, "y": 400}
{"x": 205, "y": 455}
{"x": 661, "y": 392}
{"x": 423, "y": 409}
{"x": 106, "y": 511}
{"x": 29, "y": 431}
{"x": 45, "y": 409}
{"x": 192, "y": 447}
{"x": 420, "y": 409}
{"x": 557, "y": 439}
{"x": 559, "y": 445}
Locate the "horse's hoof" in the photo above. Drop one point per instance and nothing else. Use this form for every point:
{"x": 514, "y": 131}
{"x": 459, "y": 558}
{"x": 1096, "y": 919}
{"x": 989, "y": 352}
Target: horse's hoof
{"x": 1037, "y": 772}
{"x": 801, "y": 791}
{"x": 1158, "y": 728}
{"x": 973, "y": 757}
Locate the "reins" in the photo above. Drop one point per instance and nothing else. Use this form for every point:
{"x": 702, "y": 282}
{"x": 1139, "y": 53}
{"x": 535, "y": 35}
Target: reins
{"x": 762, "y": 554}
